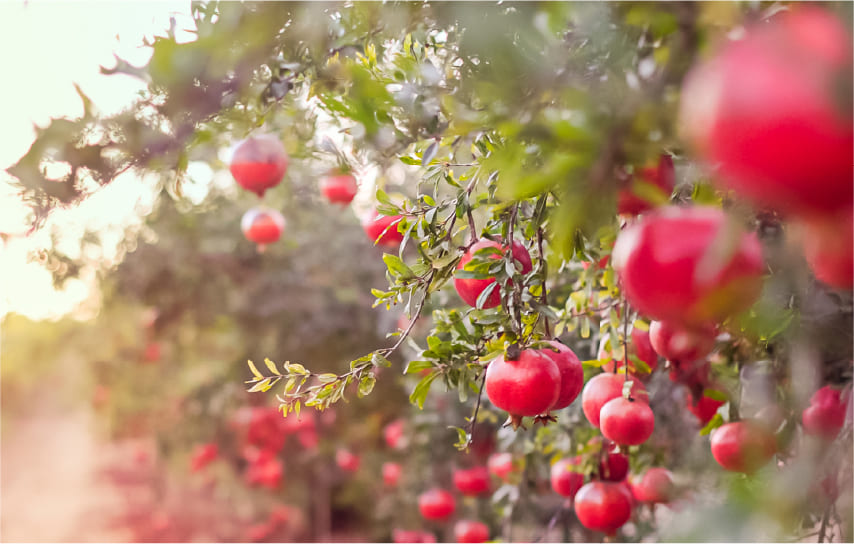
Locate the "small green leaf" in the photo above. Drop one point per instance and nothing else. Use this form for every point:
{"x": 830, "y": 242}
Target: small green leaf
{"x": 430, "y": 153}
{"x": 254, "y": 370}
{"x": 713, "y": 424}
{"x": 379, "y": 360}
{"x": 417, "y": 366}
{"x": 419, "y": 394}
{"x": 272, "y": 366}
{"x": 596, "y": 363}
{"x": 264, "y": 385}
{"x": 327, "y": 378}
{"x": 481, "y": 299}
{"x": 366, "y": 385}
{"x": 715, "y": 394}
{"x": 397, "y": 267}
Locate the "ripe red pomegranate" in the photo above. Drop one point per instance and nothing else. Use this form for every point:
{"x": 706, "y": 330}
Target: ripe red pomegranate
{"x": 391, "y": 474}
{"x": 661, "y": 180}
{"x": 640, "y": 346}
{"x": 262, "y": 226}
{"x": 767, "y": 105}
{"x": 571, "y": 373}
{"x": 339, "y": 188}
{"x": 393, "y": 435}
{"x": 470, "y": 289}
{"x": 603, "y": 506}
{"x": 704, "y": 409}
{"x": 436, "y": 504}
{"x": 604, "y": 387}
{"x": 743, "y": 446}
{"x": 828, "y": 245}
{"x": 682, "y": 344}
{"x": 347, "y": 460}
{"x": 382, "y": 229}
{"x": 825, "y": 415}
{"x": 259, "y": 163}
{"x": 203, "y": 455}
{"x": 500, "y": 465}
{"x": 613, "y": 467}
{"x": 470, "y": 531}
{"x": 626, "y": 422}
{"x": 653, "y": 486}
{"x": 527, "y": 386}
{"x": 472, "y": 482}
{"x": 266, "y": 471}
{"x": 566, "y": 477}
{"x": 666, "y": 272}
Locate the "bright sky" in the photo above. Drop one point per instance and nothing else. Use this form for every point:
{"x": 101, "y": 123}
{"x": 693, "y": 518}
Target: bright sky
{"x": 47, "y": 47}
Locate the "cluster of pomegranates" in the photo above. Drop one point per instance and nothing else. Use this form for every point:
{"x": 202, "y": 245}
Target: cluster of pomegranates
{"x": 260, "y": 162}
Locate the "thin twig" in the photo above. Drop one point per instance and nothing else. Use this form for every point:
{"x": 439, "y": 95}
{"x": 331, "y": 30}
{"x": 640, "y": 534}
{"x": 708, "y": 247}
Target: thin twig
{"x": 473, "y": 420}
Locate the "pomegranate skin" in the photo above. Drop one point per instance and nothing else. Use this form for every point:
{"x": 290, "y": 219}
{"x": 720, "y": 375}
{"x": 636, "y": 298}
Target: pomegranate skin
{"x": 825, "y": 416}
{"x": 604, "y": 387}
{"x": 742, "y": 446}
{"x": 658, "y": 261}
{"x": 627, "y": 422}
{"x": 661, "y": 177}
{"x": 705, "y": 409}
{"x": 339, "y": 189}
{"x": 386, "y": 225}
{"x": 391, "y": 474}
{"x": 603, "y": 506}
{"x": 565, "y": 478}
{"x": 259, "y": 163}
{"x": 654, "y": 486}
{"x": 500, "y": 465}
{"x": 681, "y": 344}
{"x": 472, "y": 482}
{"x": 470, "y": 289}
{"x": 262, "y": 225}
{"x": 766, "y": 106}
{"x": 614, "y": 467}
{"x": 828, "y": 246}
{"x": 436, "y": 504}
{"x": 470, "y": 531}
{"x": 528, "y": 386}
{"x": 571, "y": 373}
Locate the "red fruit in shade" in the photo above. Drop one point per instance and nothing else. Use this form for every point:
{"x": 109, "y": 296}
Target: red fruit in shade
{"x": 614, "y": 467}
{"x": 528, "y": 386}
{"x": 391, "y": 474}
{"x": 767, "y": 105}
{"x": 470, "y": 531}
{"x": 436, "y": 504}
{"x": 470, "y": 289}
{"x": 347, "y": 460}
{"x": 382, "y": 229}
{"x": 262, "y": 225}
{"x": 402, "y": 535}
{"x": 674, "y": 266}
{"x": 658, "y": 182}
{"x": 472, "y": 482}
{"x": 682, "y": 344}
{"x": 743, "y": 446}
{"x": 603, "y": 506}
{"x": 571, "y": 373}
{"x": 704, "y": 409}
{"x": 565, "y": 478}
{"x": 393, "y": 435}
{"x": 825, "y": 415}
{"x": 640, "y": 346}
{"x": 604, "y": 387}
{"x": 259, "y": 163}
{"x": 152, "y": 352}
{"x": 653, "y": 486}
{"x": 339, "y": 188}
{"x": 828, "y": 245}
{"x": 626, "y": 422}
{"x": 265, "y": 470}
{"x": 203, "y": 455}
{"x": 500, "y": 465}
